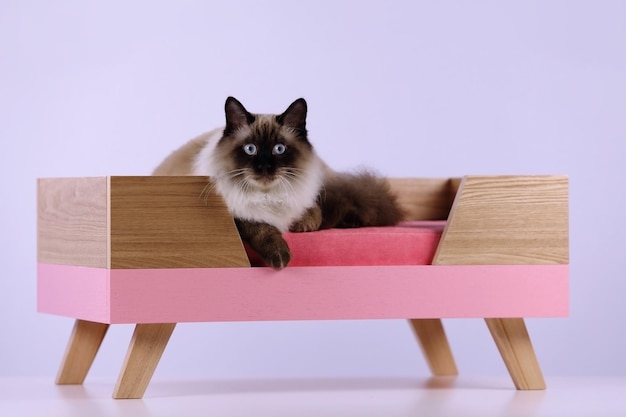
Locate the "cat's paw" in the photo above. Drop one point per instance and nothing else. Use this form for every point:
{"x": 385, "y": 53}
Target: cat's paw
{"x": 278, "y": 256}
{"x": 266, "y": 240}
{"x": 309, "y": 222}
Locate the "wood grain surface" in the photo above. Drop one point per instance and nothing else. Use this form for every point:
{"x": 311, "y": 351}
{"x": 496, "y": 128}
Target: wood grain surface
{"x": 432, "y": 338}
{"x": 516, "y": 349}
{"x": 81, "y": 351}
{"x": 507, "y": 220}
{"x": 135, "y": 222}
{"x": 171, "y": 222}
{"x": 144, "y": 352}
{"x": 72, "y": 224}
{"x": 425, "y": 198}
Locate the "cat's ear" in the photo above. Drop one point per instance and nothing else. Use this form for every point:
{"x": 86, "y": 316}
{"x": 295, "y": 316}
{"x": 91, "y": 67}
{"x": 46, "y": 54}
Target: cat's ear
{"x": 236, "y": 115}
{"x": 295, "y": 115}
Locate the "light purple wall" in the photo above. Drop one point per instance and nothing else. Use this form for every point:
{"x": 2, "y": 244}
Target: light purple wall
{"x": 410, "y": 88}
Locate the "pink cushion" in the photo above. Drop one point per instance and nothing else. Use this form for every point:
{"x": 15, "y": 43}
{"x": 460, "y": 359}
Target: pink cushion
{"x": 410, "y": 243}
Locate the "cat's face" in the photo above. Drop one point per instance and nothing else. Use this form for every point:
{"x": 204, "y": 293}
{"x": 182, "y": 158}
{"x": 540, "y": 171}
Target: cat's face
{"x": 264, "y": 150}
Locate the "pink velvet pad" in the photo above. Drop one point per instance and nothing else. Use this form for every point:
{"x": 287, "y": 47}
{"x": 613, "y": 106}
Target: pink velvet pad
{"x": 409, "y": 243}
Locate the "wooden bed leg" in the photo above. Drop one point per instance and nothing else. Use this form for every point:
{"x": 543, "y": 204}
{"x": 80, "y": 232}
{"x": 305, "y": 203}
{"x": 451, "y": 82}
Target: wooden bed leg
{"x": 434, "y": 343}
{"x": 145, "y": 350}
{"x": 517, "y": 351}
{"x": 81, "y": 351}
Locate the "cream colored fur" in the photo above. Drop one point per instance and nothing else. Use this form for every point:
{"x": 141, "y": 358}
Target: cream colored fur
{"x": 279, "y": 203}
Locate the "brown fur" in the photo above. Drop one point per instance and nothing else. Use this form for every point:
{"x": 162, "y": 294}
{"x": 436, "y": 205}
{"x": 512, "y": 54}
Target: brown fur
{"x": 358, "y": 200}
{"x": 310, "y": 221}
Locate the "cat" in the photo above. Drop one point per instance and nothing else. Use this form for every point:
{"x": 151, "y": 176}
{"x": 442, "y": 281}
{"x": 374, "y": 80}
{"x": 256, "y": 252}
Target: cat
{"x": 273, "y": 181}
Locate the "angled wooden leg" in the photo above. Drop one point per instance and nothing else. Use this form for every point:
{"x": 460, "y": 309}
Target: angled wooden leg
{"x": 434, "y": 343}
{"x": 81, "y": 351}
{"x": 517, "y": 351}
{"x": 145, "y": 350}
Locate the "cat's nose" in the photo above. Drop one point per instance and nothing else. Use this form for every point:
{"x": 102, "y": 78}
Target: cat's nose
{"x": 265, "y": 167}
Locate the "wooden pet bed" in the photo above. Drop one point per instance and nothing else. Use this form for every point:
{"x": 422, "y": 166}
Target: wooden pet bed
{"x": 156, "y": 251}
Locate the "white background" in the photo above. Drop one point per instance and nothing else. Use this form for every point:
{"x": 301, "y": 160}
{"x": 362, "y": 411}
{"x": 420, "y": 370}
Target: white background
{"x": 410, "y": 88}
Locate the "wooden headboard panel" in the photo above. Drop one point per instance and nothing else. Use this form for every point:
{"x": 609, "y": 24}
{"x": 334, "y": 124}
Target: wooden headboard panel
{"x": 426, "y": 198}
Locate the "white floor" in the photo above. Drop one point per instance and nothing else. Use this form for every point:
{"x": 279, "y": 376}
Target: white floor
{"x": 433, "y": 397}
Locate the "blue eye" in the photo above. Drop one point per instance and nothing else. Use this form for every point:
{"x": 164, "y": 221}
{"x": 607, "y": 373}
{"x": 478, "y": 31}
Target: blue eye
{"x": 279, "y": 149}
{"x": 250, "y": 149}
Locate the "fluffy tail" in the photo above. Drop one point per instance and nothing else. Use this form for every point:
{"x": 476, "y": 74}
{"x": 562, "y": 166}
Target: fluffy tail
{"x": 361, "y": 199}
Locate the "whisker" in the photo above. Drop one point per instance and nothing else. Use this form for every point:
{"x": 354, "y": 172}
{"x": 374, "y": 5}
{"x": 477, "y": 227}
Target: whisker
{"x": 207, "y": 190}
{"x": 211, "y": 185}
{"x": 287, "y": 187}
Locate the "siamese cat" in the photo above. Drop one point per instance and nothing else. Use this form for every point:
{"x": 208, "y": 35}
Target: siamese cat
{"x": 273, "y": 181}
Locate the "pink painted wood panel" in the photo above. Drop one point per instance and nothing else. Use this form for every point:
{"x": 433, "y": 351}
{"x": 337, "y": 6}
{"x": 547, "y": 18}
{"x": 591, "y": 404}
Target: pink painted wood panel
{"x": 74, "y": 291}
{"x": 303, "y": 293}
